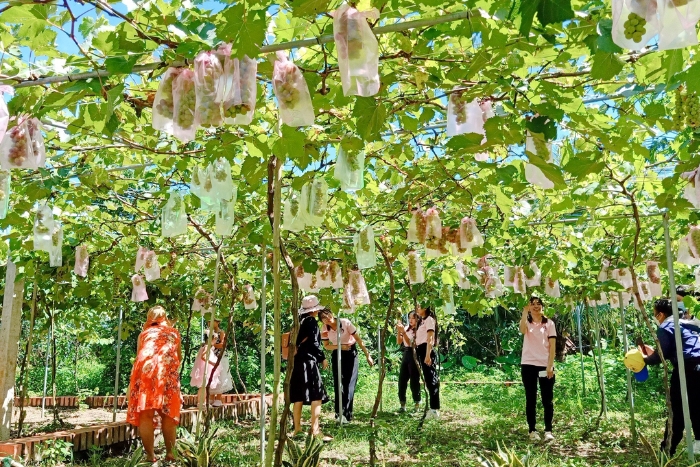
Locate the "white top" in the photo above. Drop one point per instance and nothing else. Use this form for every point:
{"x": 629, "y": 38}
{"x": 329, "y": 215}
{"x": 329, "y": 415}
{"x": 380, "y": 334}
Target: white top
{"x": 347, "y": 335}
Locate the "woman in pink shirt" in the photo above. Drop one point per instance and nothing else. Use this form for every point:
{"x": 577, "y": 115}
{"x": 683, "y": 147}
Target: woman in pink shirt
{"x": 426, "y": 339}
{"x": 349, "y": 340}
{"x": 537, "y": 365}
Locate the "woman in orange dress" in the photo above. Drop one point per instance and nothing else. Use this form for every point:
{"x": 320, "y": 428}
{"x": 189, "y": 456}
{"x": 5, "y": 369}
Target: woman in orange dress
{"x": 155, "y": 382}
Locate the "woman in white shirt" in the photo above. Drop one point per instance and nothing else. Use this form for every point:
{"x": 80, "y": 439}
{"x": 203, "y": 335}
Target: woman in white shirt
{"x": 349, "y": 340}
{"x": 405, "y": 336}
{"x": 426, "y": 338}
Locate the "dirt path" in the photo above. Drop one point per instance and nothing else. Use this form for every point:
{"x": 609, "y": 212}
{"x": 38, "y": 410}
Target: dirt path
{"x": 73, "y": 418}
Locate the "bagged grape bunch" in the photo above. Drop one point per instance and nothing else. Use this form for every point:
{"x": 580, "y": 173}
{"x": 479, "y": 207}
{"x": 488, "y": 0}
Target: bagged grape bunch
{"x": 692, "y": 189}
{"x": 239, "y": 103}
{"x": 536, "y": 144}
{"x": 323, "y": 275}
{"x": 202, "y": 186}
{"x": 23, "y": 146}
{"x": 448, "y": 300}
{"x": 520, "y": 281}
{"x": 138, "y": 292}
{"x": 415, "y": 268}
{"x": 678, "y": 19}
{"x": 685, "y": 254}
{"x": 509, "y": 275}
{"x": 307, "y": 281}
{"x": 44, "y": 226}
{"x": 364, "y": 248}
{"x": 348, "y": 305}
{"x": 336, "y": 275}
{"x": 654, "y": 275}
{"x": 151, "y": 266}
{"x": 140, "y": 258}
{"x": 164, "y": 103}
{"x": 358, "y": 50}
{"x": 4, "y": 193}
{"x": 535, "y": 279}
{"x": 433, "y": 224}
{"x": 184, "y": 104}
{"x": 604, "y": 274}
{"x": 551, "y": 287}
{"x": 4, "y": 112}
{"x": 417, "y": 227}
{"x": 208, "y": 71}
{"x": 249, "y": 301}
{"x": 225, "y": 219}
{"x": 358, "y": 289}
{"x": 82, "y": 261}
{"x": 174, "y": 217}
{"x": 694, "y": 241}
{"x": 463, "y": 273}
{"x": 469, "y": 235}
{"x": 292, "y": 93}
{"x": 635, "y": 22}
{"x": 493, "y": 287}
{"x": 318, "y": 202}
{"x": 623, "y": 276}
{"x": 292, "y": 218}
{"x": 223, "y": 185}
{"x": 203, "y": 301}
{"x": 56, "y": 248}
{"x": 349, "y": 169}
{"x": 456, "y": 112}
{"x": 602, "y": 299}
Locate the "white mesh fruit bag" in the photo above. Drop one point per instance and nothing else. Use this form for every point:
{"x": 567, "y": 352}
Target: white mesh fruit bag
{"x": 469, "y": 235}
{"x": 635, "y": 22}
{"x": 603, "y": 300}
{"x": 174, "y": 217}
{"x": 535, "y": 143}
{"x": 685, "y": 255}
{"x": 417, "y": 226}
{"x": 692, "y": 189}
{"x": 358, "y": 289}
{"x": 225, "y": 219}
{"x": 4, "y": 112}
{"x": 140, "y": 258}
{"x": 184, "y": 103}
{"x": 520, "y": 281}
{"x": 365, "y": 253}
{"x": 358, "y": 50}
{"x": 223, "y": 185}
{"x": 249, "y": 301}
{"x": 202, "y": 186}
{"x": 349, "y": 169}
{"x": 4, "y": 193}
{"x": 533, "y": 276}
{"x": 493, "y": 287}
{"x": 151, "y": 268}
{"x": 456, "y": 112}
{"x": 323, "y": 275}
{"x": 239, "y": 103}
{"x": 551, "y": 287}
{"x": 56, "y": 248}
{"x": 336, "y": 275}
{"x": 348, "y": 305}
{"x": 292, "y": 218}
{"x": 292, "y": 93}
{"x": 463, "y": 274}
{"x": 415, "y": 268}
{"x": 678, "y": 19}
{"x": 208, "y": 71}
{"x": 509, "y": 275}
{"x": 44, "y": 226}
{"x": 654, "y": 275}
{"x": 23, "y": 146}
{"x": 164, "y": 104}
{"x": 448, "y": 300}
{"x": 82, "y": 261}
{"x": 202, "y": 301}
{"x": 694, "y": 240}
{"x": 433, "y": 224}
{"x": 623, "y": 276}
{"x": 138, "y": 292}
{"x": 604, "y": 273}
{"x": 318, "y": 202}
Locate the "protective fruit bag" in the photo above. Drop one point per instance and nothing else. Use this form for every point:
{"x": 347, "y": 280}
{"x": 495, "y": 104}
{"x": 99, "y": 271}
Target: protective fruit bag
{"x": 448, "y": 300}
{"x": 364, "y": 248}
{"x": 536, "y": 144}
{"x": 469, "y": 235}
{"x": 225, "y": 219}
{"x": 292, "y": 93}
{"x": 23, "y": 146}
{"x": 202, "y": 186}
{"x": 463, "y": 116}
{"x": 292, "y": 219}
{"x": 692, "y": 189}
{"x": 509, "y": 275}
{"x": 685, "y": 255}
{"x": 140, "y": 258}
{"x": 492, "y": 284}
{"x": 174, "y": 217}
{"x": 417, "y": 226}
{"x": 223, "y": 184}
{"x": 520, "y": 281}
{"x": 654, "y": 275}
{"x": 336, "y": 275}
{"x": 202, "y": 301}
{"x": 415, "y": 268}
{"x": 348, "y": 305}
{"x": 151, "y": 268}
{"x": 4, "y": 112}
{"x": 44, "y": 226}
{"x": 349, "y": 169}
{"x": 358, "y": 50}
{"x": 534, "y": 279}
{"x": 694, "y": 240}
{"x": 551, "y": 287}
{"x": 249, "y": 301}
{"x": 239, "y": 103}
{"x": 433, "y": 224}
{"x": 623, "y": 276}
{"x": 208, "y": 71}
{"x": 138, "y": 292}
{"x": 635, "y": 22}
{"x": 184, "y": 103}
{"x": 82, "y": 261}
{"x": 358, "y": 289}
{"x": 323, "y": 275}
{"x": 318, "y": 202}
{"x": 463, "y": 274}
{"x": 56, "y": 248}
{"x": 4, "y": 193}
{"x": 678, "y": 19}
{"x": 164, "y": 103}
{"x": 604, "y": 273}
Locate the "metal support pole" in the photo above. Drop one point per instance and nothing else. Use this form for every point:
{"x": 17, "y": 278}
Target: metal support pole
{"x": 689, "y": 439}
{"x": 579, "y": 309}
{"x": 263, "y": 353}
{"x": 46, "y": 371}
{"x": 339, "y": 373}
{"x": 630, "y": 393}
{"x": 119, "y": 350}
{"x": 601, "y": 376}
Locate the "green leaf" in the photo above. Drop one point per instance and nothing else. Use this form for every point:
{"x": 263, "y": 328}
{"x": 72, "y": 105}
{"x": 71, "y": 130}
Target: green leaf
{"x": 371, "y": 117}
{"x": 504, "y": 203}
{"x": 544, "y": 125}
{"x": 244, "y": 28}
{"x": 121, "y": 65}
{"x": 604, "y": 43}
{"x": 469, "y": 362}
{"x": 673, "y": 62}
{"x": 605, "y": 65}
{"x": 528, "y": 8}
{"x": 554, "y": 11}
{"x": 692, "y": 77}
{"x": 309, "y": 7}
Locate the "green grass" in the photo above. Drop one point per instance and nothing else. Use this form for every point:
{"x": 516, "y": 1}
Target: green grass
{"x": 475, "y": 419}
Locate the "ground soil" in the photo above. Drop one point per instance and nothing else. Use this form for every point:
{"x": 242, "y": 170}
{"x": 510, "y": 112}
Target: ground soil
{"x": 69, "y": 419}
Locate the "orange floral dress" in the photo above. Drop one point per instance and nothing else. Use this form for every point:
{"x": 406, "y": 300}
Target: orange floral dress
{"x": 155, "y": 378}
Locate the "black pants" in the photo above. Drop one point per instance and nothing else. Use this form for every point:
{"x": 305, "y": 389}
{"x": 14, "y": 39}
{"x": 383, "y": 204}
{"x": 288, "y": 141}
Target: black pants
{"x": 409, "y": 372}
{"x": 350, "y": 366}
{"x": 430, "y": 375}
{"x": 530, "y": 376}
{"x": 692, "y": 376}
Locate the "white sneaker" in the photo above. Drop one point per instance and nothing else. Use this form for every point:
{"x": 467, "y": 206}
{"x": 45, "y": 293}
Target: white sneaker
{"x": 548, "y": 437}
{"x": 535, "y": 437}
{"x": 696, "y": 446}
{"x": 432, "y": 415}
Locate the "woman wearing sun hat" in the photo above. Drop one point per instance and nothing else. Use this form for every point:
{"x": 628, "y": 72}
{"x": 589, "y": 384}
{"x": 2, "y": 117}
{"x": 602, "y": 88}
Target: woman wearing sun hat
{"x": 306, "y": 386}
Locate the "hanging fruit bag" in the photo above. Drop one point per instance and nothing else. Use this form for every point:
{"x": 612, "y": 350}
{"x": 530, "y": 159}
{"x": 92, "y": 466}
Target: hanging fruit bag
{"x": 364, "y": 248}
{"x": 82, "y": 261}
{"x": 551, "y": 288}
{"x": 318, "y": 202}
{"x": 358, "y": 50}
{"x": 292, "y": 93}
{"x": 469, "y": 235}
{"x": 358, "y": 288}
{"x": 415, "y": 268}
{"x": 349, "y": 169}
{"x": 463, "y": 274}
{"x": 184, "y": 104}
{"x": 138, "y": 293}
{"x": 635, "y": 22}
{"x": 239, "y": 103}
{"x": 678, "y": 19}
{"x": 174, "y": 217}
{"x": 417, "y": 227}
{"x": 293, "y": 219}
{"x": 151, "y": 266}
{"x": 249, "y": 301}
{"x": 164, "y": 103}
{"x": 208, "y": 71}
{"x": 23, "y": 146}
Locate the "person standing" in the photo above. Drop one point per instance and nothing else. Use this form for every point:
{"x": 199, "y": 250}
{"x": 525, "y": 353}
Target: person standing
{"x": 663, "y": 315}
{"x": 349, "y": 340}
{"x": 306, "y": 386}
{"x": 221, "y": 382}
{"x": 154, "y": 386}
{"x": 405, "y": 336}
{"x": 537, "y": 365}
{"x": 426, "y": 339}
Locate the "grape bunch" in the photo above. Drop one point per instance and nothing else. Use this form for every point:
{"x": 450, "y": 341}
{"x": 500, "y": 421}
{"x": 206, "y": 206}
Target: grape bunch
{"x": 635, "y": 27}
{"x": 249, "y": 296}
{"x": 287, "y": 92}
{"x": 314, "y": 279}
{"x": 678, "y": 110}
{"x": 234, "y": 110}
{"x": 365, "y": 245}
{"x": 208, "y": 110}
{"x": 468, "y": 227}
{"x": 653, "y": 273}
{"x": 459, "y": 107}
{"x": 421, "y": 225}
{"x": 319, "y": 206}
{"x": 149, "y": 261}
{"x": 220, "y": 172}
{"x": 56, "y": 237}
{"x": 352, "y": 159}
{"x": 294, "y": 206}
{"x": 694, "y": 241}
{"x": 412, "y": 266}
{"x": 334, "y": 270}
{"x": 137, "y": 281}
{"x": 165, "y": 104}
{"x": 34, "y": 136}
{"x": 19, "y": 151}
{"x": 550, "y": 282}
{"x": 186, "y": 103}
{"x": 207, "y": 182}
{"x": 324, "y": 270}
{"x": 354, "y": 38}
{"x": 446, "y": 294}
{"x": 691, "y": 109}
